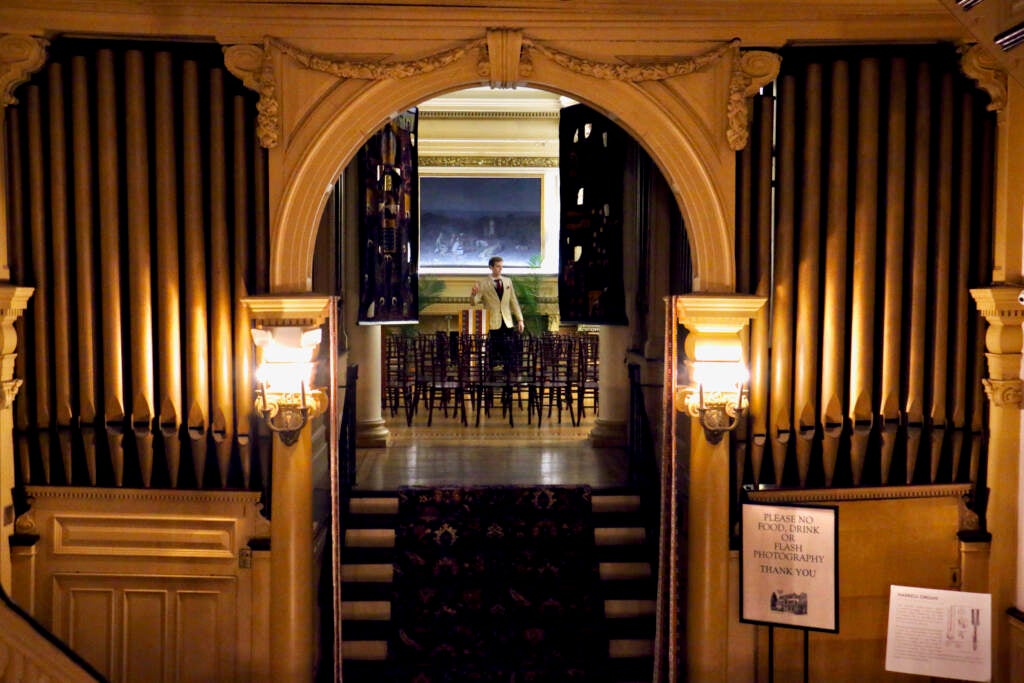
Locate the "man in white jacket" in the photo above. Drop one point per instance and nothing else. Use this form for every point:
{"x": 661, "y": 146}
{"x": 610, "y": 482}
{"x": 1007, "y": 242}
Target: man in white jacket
{"x": 498, "y": 296}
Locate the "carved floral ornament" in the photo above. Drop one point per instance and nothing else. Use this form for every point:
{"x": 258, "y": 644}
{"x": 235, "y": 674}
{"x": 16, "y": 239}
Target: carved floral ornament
{"x": 1003, "y": 393}
{"x": 504, "y": 58}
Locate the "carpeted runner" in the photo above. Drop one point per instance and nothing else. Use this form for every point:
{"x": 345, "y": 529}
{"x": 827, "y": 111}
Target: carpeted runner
{"x": 496, "y": 584}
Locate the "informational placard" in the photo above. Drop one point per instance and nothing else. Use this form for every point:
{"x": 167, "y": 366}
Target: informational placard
{"x": 789, "y": 566}
{"x": 945, "y": 634}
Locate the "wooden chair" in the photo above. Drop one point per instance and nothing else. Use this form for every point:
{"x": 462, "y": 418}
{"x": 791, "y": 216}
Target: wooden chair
{"x": 586, "y": 375}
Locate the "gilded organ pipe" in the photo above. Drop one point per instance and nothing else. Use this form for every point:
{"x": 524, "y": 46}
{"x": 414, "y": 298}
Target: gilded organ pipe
{"x": 110, "y": 267}
{"x": 963, "y": 309}
{"x": 84, "y": 255}
{"x": 242, "y": 339}
{"x": 60, "y": 268}
{"x": 865, "y": 247}
{"x": 40, "y": 306}
{"x": 895, "y": 218}
{"x": 782, "y": 307}
{"x": 167, "y": 254}
{"x": 220, "y": 285}
{"x": 805, "y": 378}
{"x": 834, "y": 311}
{"x": 139, "y": 269}
{"x": 196, "y": 350}
{"x": 759, "y": 329}
{"x": 918, "y": 284}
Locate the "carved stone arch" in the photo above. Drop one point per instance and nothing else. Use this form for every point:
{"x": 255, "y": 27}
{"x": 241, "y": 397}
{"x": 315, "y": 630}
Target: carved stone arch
{"x": 689, "y": 156}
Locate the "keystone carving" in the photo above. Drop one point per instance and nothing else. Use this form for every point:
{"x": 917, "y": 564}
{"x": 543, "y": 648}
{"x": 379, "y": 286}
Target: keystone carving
{"x": 503, "y": 61}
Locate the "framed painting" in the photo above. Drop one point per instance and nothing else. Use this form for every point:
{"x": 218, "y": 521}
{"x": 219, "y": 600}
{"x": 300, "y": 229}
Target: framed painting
{"x": 466, "y": 218}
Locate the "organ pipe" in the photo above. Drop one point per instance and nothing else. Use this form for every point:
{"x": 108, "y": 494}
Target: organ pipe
{"x": 18, "y": 258}
{"x": 60, "y": 268}
{"x": 139, "y": 268}
{"x": 862, "y": 323}
{"x": 196, "y": 349}
{"x": 110, "y": 266}
{"x": 84, "y": 255}
{"x": 834, "y": 311}
{"x": 808, "y": 276}
{"x": 220, "y": 284}
{"x": 759, "y": 329}
{"x": 782, "y": 307}
{"x": 40, "y": 306}
{"x": 242, "y": 343}
{"x": 167, "y": 255}
{"x": 918, "y": 284}
{"x": 895, "y": 216}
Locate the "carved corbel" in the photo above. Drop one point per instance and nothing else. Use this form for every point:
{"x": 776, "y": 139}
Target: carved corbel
{"x": 978, "y": 64}
{"x": 503, "y": 60}
{"x": 751, "y": 70}
{"x": 20, "y": 57}
{"x": 251, "y": 64}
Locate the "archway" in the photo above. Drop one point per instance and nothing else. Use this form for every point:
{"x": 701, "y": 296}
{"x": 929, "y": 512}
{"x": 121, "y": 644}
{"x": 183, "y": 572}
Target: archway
{"x": 697, "y": 164}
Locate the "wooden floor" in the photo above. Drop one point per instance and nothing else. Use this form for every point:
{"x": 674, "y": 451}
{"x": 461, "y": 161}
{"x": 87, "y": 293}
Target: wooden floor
{"x": 493, "y": 453}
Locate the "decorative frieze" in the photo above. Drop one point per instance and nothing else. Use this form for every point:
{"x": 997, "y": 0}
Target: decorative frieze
{"x": 504, "y": 59}
{"x": 487, "y": 162}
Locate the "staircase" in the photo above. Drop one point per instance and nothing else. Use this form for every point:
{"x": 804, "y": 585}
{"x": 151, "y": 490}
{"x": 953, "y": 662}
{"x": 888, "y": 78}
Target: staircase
{"x": 626, "y": 576}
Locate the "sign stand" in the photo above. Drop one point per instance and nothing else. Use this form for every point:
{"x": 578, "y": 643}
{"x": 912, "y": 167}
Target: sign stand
{"x": 771, "y": 654}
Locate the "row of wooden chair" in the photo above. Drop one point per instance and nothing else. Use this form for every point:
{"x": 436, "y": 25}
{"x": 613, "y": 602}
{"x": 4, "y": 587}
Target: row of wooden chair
{"x": 552, "y": 373}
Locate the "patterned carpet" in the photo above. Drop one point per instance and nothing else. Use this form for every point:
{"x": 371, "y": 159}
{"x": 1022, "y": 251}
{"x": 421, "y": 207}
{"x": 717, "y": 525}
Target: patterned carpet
{"x": 496, "y": 584}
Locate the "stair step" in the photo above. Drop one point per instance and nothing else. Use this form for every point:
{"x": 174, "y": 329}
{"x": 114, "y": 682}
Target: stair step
{"x": 373, "y": 506}
{"x": 370, "y": 573}
{"x": 367, "y": 610}
{"x": 628, "y": 609}
{"x": 606, "y": 536}
{"x": 364, "y": 650}
{"x": 377, "y": 650}
{"x": 370, "y": 538}
{"x": 618, "y": 503}
{"x": 631, "y": 648}
{"x": 624, "y": 571}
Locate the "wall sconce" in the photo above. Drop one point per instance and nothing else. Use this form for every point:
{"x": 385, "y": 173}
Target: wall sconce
{"x": 710, "y": 381}
{"x": 284, "y": 398}
{"x": 717, "y": 396}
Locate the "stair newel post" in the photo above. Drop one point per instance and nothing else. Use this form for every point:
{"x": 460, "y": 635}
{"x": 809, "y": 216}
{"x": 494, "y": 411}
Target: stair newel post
{"x": 709, "y": 384}
{"x": 292, "y": 322}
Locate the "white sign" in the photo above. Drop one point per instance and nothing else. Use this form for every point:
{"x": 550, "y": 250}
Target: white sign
{"x": 939, "y": 633}
{"x": 789, "y": 569}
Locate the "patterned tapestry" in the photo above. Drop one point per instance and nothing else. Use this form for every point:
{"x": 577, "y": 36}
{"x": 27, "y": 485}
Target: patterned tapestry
{"x": 388, "y": 230}
{"x": 590, "y": 271}
{"x": 494, "y": 584}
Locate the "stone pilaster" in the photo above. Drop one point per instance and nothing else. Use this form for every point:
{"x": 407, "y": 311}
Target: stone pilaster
{"x": 1003, "y": 340}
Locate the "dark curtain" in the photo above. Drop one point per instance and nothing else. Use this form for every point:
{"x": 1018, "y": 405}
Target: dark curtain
{"x": 389, "y": 226}
{"x": 592, "y": 158}
{"x": 867, "y": 370}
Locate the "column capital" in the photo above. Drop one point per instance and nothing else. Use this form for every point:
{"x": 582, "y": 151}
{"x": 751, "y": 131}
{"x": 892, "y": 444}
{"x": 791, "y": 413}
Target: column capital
{"x": 717, "y": 313}
{"x": 1002, "y": 308}
{"x": 288, "y": 310}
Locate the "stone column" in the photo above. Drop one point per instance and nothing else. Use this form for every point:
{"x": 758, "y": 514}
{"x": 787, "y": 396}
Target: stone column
{"x": 719, "y": 321}
{"x": 292, "y": 588}
{"x": 613, "y": 388}
{"x": 1003, "y": 519}
{"x": 12, "y": 302}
